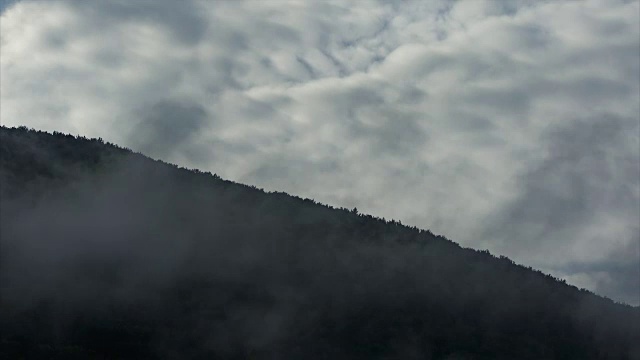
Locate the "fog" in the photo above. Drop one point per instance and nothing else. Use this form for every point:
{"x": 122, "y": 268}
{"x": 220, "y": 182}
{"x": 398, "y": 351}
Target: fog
{"x": 108, "y": 252}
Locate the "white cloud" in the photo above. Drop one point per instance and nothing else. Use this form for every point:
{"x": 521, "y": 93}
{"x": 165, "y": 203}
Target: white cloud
{"x": 501, "y": 124}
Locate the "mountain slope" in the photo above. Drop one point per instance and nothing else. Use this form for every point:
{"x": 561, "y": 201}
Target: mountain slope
{"x": 109, "y": 254}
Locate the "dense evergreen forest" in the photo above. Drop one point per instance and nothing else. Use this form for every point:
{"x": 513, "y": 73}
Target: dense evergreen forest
{"x": 107, "y": 254}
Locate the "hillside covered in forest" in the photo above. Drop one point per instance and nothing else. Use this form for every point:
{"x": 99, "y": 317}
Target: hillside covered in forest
{"x": 108, "y": 254}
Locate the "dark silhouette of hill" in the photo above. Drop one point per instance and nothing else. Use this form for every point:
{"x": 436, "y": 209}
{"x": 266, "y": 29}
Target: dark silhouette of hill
{"x": 107, "y": 254}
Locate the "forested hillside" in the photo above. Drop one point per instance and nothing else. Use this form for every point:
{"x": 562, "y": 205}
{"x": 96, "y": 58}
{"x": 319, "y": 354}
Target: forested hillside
{"x": 107, "y": 254}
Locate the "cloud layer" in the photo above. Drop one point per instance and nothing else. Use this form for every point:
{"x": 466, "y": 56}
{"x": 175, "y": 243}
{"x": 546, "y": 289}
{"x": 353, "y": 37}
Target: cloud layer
{"x": 507, "y": 125}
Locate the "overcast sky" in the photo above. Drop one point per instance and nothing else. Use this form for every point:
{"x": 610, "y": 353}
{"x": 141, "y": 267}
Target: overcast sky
{"x": 505, "y": 125}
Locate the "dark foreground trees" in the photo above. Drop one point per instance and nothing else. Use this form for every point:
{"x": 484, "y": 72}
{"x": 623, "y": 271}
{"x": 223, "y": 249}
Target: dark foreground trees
{"x": 108, "y": 254}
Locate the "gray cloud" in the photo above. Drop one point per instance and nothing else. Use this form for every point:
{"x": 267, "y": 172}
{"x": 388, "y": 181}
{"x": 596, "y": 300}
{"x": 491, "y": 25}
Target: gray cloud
{"x": 507, "y": 125}
{"x": 182, "y": 20}
{"x": 580, "y": 177}
{"x": 167, "y": 125}
{"x": 5, "y": 4}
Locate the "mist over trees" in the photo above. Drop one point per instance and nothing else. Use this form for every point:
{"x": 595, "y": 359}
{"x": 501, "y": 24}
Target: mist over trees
{"x": 108, "y": 254}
